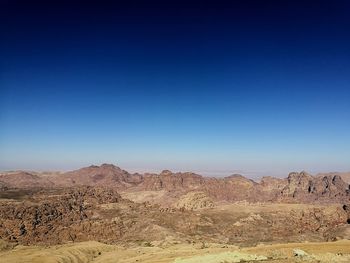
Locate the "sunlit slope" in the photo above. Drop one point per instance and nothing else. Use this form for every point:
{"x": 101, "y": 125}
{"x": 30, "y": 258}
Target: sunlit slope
{"x": 192, "y": 253}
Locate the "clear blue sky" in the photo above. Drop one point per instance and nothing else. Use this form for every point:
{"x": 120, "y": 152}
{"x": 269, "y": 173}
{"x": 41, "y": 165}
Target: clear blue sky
{"x": 257, "y": 87}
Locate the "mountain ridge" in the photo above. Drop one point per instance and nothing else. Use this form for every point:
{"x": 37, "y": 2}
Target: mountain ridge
{"x": 297, "y": 187}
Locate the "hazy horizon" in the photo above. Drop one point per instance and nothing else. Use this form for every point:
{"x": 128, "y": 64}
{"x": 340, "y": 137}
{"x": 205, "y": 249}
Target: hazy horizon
{"x": 261, "y": 88}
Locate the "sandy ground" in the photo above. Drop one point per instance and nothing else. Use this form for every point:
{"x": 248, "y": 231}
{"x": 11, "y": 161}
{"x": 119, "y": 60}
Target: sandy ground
{"x": 178, "y": 253}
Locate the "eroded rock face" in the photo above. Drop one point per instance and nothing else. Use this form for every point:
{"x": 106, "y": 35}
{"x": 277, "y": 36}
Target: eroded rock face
{"x": 53, "y": 219}
{"x": 171, "y": 181}
{"x": 97, "y": 213}
{"x": 99, "y": 195}
{"x": 344, "y": 175}
{"x": 346, "y": 208}
{"x": 194, "y": 201}
{"x": 269, "y": 183}
{"x": 305, "y": 188}
{"x": 298, "y": 187}
{"x": 297, "y": 225}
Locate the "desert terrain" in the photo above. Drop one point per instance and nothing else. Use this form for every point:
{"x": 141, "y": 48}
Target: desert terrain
{"x": 106, "y": 214}
{"x": 174, "y": 131}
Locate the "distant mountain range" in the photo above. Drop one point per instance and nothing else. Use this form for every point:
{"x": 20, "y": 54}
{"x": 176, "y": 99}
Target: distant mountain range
{"x": 297, "y": 187}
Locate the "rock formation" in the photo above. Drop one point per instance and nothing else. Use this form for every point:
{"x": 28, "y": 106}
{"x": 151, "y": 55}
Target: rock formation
{"x": 171, "y": 181}
{"x": 104, "y": 175}
{"x": 194, "y": 201}
{"x": 54, "y": 216}
{"x": 302, "y": 187}
{"x": 54, "y": 219}
{"x": 298, "y": 187}
{"x": 345, "y": 176}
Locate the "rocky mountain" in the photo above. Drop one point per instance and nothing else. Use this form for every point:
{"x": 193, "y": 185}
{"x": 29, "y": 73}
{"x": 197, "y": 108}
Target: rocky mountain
{"x": 304, "y": 187}
{"x": 21, "y": 179}
{"x": 194, "y": 201}
{"x": 269, "y": 183}
{"x": 104, "y": 175}
{"x": 297, "y": 187}
{"x": 92, "y": 204}
{"x": 232, "y": 188}
{"x": 345, "y": 176}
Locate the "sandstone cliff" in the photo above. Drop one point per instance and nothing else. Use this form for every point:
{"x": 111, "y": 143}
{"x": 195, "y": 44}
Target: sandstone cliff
{"x": 297, "y": 187}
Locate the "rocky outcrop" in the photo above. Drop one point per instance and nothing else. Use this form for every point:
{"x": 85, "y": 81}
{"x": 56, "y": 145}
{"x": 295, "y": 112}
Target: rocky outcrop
{"x": 231, "y": 188}
{"x": 298, "y": 183}
{"x": 298, "y": 187}
{"x": 54, "y": 219}
{"x": 345, "y": 176}
{"x": 3, "y": 186}
{"x": 93, "y": 195}
{"x": 54, "y": 216}
{"x": 171, "y": 181}
{"x": 194, "y": 201}
{"x": 346, "y": 208}
{"x": 302, "y": 187}
{"x": 269, "y": 183}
